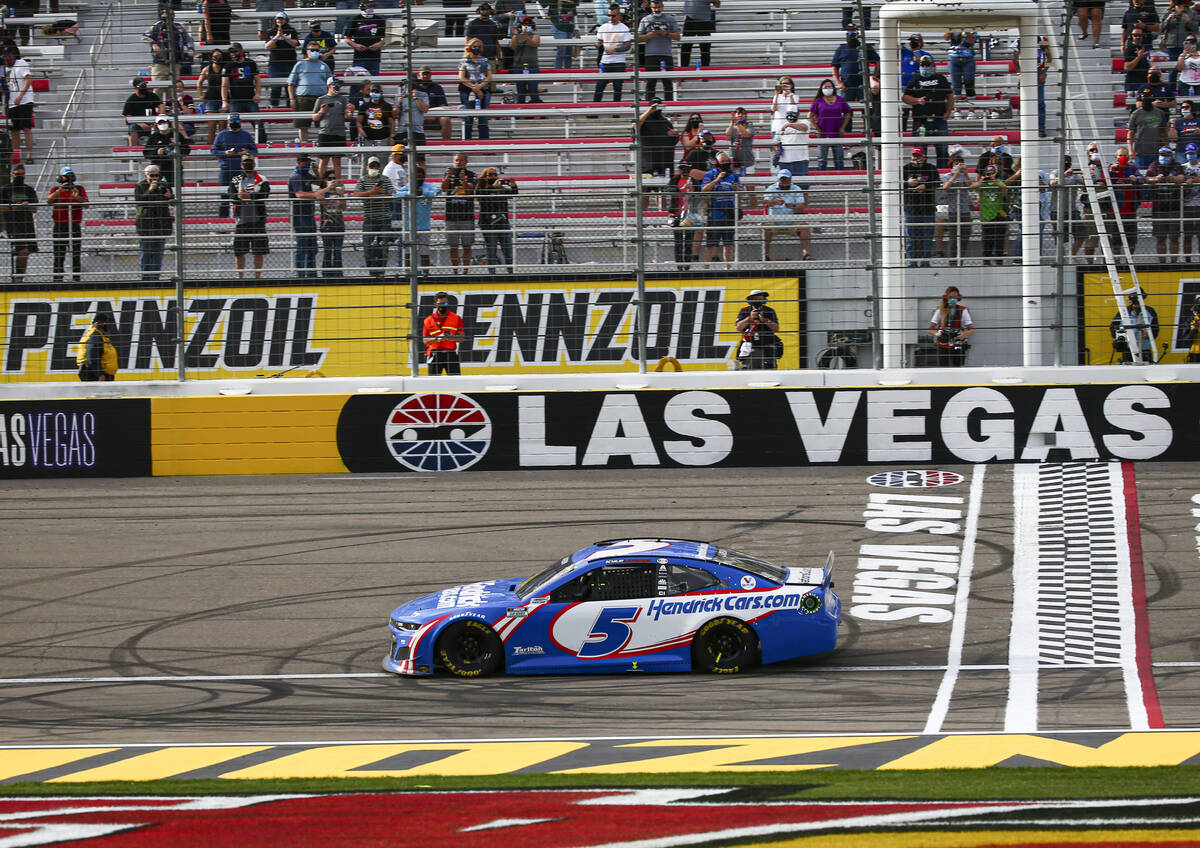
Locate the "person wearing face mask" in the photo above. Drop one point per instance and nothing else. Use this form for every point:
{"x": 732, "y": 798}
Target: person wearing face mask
{"x": 962, "y": 61}
{"x": 847, "y": 65}
{"x": 931, "y": 99}
{"x": 1156, "y": 91}
{"x": 951, "y": 326}
{"x": 331, "y": 112}
{"x": 376, "y": 191}
{"x": 230, "y": 145}
{"x": 911, "y": 54}
{"x": 689, "y": 139}
{"x": 1166, "y": 202}
{"x": 303, "y": 199}
{"x": 1144, "y": 326}
{"x": 18, "y": 202}
{"x": 793, "y": 145}
{"x": 307, "y": 81}
{"x": 249, "y": 192}
{"x": 241, "y": 86}
{"x": 1187, "y": 69}
{"x": 1147, "y": 131}
{"x": 722, "y": 185}
{"x": 657, "y": 33}
{"x": 919, "y": 180}
{"x": 442, "y": 332}
{"x": 1180, "y": 23}
{"x": 1141, "y": 13}
{"x": 760, "y": 347}
{"x": 323, "y": 41}
{"x": 997, "y": 150}
{"x": 525, "y": 42}
{"x": 281, "y": 42}
{"x": 365, "y": 34}
{"x": 1191, "y": 202}
{"x": 830, "y": 114}
{"x": 374, "y": 116}
{"x": 474, "y": 88}
{"x": 495, "y": 218}
{"x": 208, "y": 88}
{"x": 1126, "y": 180}
{"x": 153, "y": 221}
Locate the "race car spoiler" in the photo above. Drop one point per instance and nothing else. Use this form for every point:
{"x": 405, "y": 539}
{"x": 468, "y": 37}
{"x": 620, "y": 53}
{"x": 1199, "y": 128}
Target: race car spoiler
{"x": 822, "y": 577}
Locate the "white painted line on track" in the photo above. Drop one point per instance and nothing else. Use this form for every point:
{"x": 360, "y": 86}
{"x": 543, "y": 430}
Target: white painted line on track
{"x": 1020, "y": 712}
{"x": 958, "y": 627}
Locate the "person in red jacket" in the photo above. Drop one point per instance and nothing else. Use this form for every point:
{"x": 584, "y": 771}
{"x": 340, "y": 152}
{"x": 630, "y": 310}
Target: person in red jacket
{"x": 66, "y": 201}
{"x": 442, "y": 331}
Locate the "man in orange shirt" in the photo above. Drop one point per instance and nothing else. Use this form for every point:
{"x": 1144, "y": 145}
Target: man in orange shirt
{"x": 442, "y": 332}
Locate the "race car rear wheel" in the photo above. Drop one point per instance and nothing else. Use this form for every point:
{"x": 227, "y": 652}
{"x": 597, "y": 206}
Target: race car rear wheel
{"x": 724, "y": 646}
{"x": 469, "y": 648}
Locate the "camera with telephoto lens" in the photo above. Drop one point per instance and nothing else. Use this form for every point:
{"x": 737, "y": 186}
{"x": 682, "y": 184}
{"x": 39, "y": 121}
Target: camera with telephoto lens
{"x": 950, "y": 338}
{"x": 956, "y": 38}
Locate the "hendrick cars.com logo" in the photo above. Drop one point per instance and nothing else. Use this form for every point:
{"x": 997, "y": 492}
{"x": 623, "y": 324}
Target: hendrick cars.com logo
{"x": 438, "y": 432}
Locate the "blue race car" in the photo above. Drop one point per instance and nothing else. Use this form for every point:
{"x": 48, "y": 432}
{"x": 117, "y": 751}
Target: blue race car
{"x": 623, "y": 605}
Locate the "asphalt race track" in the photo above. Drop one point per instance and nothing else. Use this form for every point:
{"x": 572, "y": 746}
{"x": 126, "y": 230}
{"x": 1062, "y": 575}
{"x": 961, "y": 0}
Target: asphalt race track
{"x": 264, "y": 599}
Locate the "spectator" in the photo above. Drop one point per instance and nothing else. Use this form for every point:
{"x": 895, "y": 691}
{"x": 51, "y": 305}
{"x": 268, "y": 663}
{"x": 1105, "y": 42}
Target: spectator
{"x": 495, "y": 218}
{"x": 760, "y": 346}
{"x": 932, "y": 100}
{"x": 1091, "y": 225}
{"x": 1125, "y": 201}
{"x": 659, "y": 138}
{"x": 333, "y": 226}
{"x": 1180, "y": 23}
{"x": 740, "y": 133}
{"x": 784, "y": 100}
{"x": 1141, "y": 13}
{"x": 1137, "y": 61}
{"x": 487, "y": 32}
{"x": 1187, "y": 70}
{"x": 241, "y": 85}
{"x": 722, "y": 184}
{"x": 324, "y": 41}
{"x": 249, "y": 193}
{"x": 20, "y": 99}
{"x": 231, "y": 144}
{"x": 442, "y": 331}
{"x": 143, "y": 103}
{"x": 920, "y": 181}
{"x": 160, "y": 48}
{"x": 1090, "y": 11}
{"x": 951, "y": 326}
{"x": 330, "y": 113}
{"x": 1043, "y": 63}
{"x": 414, "y": 117}
{"x": 962, "y": 62}
{"x": 1166, "y": 207}
{"x": 21, "y": 9}
{"x": 394, "y": 171}
{"x": 366, "y": 34}
{"x": 1191, "y": 202}
{"x": 702, "y": 159}
{"x": 563, "y": 26}
{"x": 302, "y": 200}
{"x": 435, "y": 96}
{"x": 429, "y": 191}
{"x": 613, "y": 40}
{"x": 458, "y": 185}
{"x": 208, "y": 88}
{"x": 910, "y": 56}
{"x": 1142, "y": 325}
{"x": 993, "y": 214}
{"x": 153, "y": 221}
{"x": 830, "y": 113}
{"x": 656, "y": 32}
{"x": 793, "y": 144}
{"x": 847, "y": 65}
{"x": 958, "y": 211}
{"x": 996, "y": 154}
{"x": 18, "y": 202}
{"x": 307, "y": 81}
{"x": 97, "y": 356}
{"x": 282, "y": 41}
{"x": 684, "y": 222}
{"x": 162, "y": 144}
{"x": 474, "y": 87}
{"x": 375, "y": 116}
{"x": 689, "y": 139}
{"x": 218, "y": 16}
{"x": 1157, "y": 92}
{"x": 525, "y": 46}
{"x": 508, "y": 16}
{"x": 699, "y": 19}
{"x": 783, "y": 203}
{"x": 1147, "y": 130}
{"x": 66, "y": 201}
{"x": 1065, "y": 196}
{"x": 456, "y": 24}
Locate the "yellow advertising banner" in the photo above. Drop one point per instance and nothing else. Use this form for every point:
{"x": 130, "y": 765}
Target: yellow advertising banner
{"x": 314, "y": 330}
{"x": 1171, "y": 294}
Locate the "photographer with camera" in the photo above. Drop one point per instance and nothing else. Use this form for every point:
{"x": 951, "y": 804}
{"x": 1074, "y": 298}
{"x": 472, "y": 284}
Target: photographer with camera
{"x": 1193, "y": 333}
{"x": 657, "y": 33}
{"x": 962, "y": 61}
{"x": 458, "y": 184}
{"x": 163, "y": 142}
{"x": 66, "y": 201}
{"x": 951, "y": 326}
{"x": 495, "y": 218}
{"x": 152, "y": 197}
{"x": 281, "y": 42}
{"x": 442, "y": 332}
{"x": 722, "y": 184}
{"x": 1143, "y": 324}
{"x": 760, "y": 347}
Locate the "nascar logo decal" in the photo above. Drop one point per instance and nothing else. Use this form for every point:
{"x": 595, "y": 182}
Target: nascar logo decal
{"x": 438, "y": 432}
{"x": 915, "y": 479}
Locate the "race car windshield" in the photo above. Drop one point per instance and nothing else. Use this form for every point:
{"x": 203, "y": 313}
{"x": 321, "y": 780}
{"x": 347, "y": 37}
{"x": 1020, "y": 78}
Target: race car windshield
{"x": 546, "y": 575}
{"x": 754, "y": 565}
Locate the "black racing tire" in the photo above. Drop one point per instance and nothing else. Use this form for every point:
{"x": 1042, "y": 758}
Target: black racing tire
{"x": 724, "y": 646}
{"x": 469, "y": 648}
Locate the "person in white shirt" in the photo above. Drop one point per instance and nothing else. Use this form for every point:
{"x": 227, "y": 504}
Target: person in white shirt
{"x": 613, "y": 40}
{"x": 20, "y": 99}
{"x": 394, "y": 171}
{"x": 793, "y": 144}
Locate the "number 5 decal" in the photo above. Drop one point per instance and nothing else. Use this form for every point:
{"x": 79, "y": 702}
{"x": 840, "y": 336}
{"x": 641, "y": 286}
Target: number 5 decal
{"x": 610, "y": 632}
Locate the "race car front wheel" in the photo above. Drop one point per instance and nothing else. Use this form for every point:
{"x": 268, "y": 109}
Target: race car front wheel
{"x": 724, "y": 646}
{"x": 469, "y": 648}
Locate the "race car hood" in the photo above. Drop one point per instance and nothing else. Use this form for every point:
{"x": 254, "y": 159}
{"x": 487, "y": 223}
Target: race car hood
{"x": 459, "y": 597}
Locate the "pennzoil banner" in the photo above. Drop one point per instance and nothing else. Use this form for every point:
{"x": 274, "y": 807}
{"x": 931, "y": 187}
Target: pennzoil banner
{"x": 1171, "y": 294}
{"x": 362, "y": 330}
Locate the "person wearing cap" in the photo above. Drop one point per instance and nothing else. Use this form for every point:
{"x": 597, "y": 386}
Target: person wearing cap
{"x": 281, "y": 42}
{"x": 429, "y": 190}
{"x": 321, "y": 40}
{"x": 153, "y": 220}
{"x": 307, "y": 80}
{"x": 163, "y": 143}
{"x": 920, "y": 181}
{"x": 760, "y": 347}
{"x": 495, "y": 218}
{"x": 951, "y": 326}
{"x": 302, "y": 200}
{"x": 241, "y": 84}
{"x": 487, "y": 31}
{"x": 66, "y": 200}
{"x": 993, "y": 213}
{"x": 230, "y": 145}
{"x": 783, "y": 202}
{"x": 434, "y": 96}
{"x": 931, "y": 99}
{"x": 331, "y": 112}
{"x": 376, "y": 191}
{"x": 910, "y": 54}
{"x": 1147, "y": 130}
{"x": 847, "y": 65}
{"x": 142, "y": 103}
{"x": 404, "y": 116}
{"x": 657, "y": 34}
{"x": 18, "y": 203}
{"x": 97, "y": 355}
{"x": 249, "y": 192}
{"x": 159, "y": 38}
{"x": 1180, "y": 22}
{"x": 525, "y": 41}
{"x": 613, "y": 41}
{"x": 365, "y": 35}
{"x": 1191, "y": 201}
{"x": 1166, "y": 202}
{"x": 394, "y": 170}
{"x": 722, "y": 186}
{"x": 1142, "y": 322}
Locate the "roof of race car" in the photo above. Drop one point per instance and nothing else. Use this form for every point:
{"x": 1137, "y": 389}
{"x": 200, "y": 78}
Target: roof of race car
{"x": 647, "y": 548}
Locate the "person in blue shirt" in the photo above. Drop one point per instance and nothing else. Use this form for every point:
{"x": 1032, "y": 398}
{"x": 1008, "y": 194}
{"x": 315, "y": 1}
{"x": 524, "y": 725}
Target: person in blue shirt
{"x": 783, "y": 201}
{"x": 910, "y": 56}
{"x": 847, "y": 65}
{"x": 721, "y": 183}
{"x": 962, "y": 62}
{"x": 307, "y": 81}
{"x": 424, "y": 218}
{"x": 302, "y": 199}
{"x": 230, "y": 145}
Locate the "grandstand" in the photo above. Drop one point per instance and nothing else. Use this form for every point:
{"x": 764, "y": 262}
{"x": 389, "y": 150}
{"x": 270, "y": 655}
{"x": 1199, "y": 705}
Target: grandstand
{"x": 577, "y": 216}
